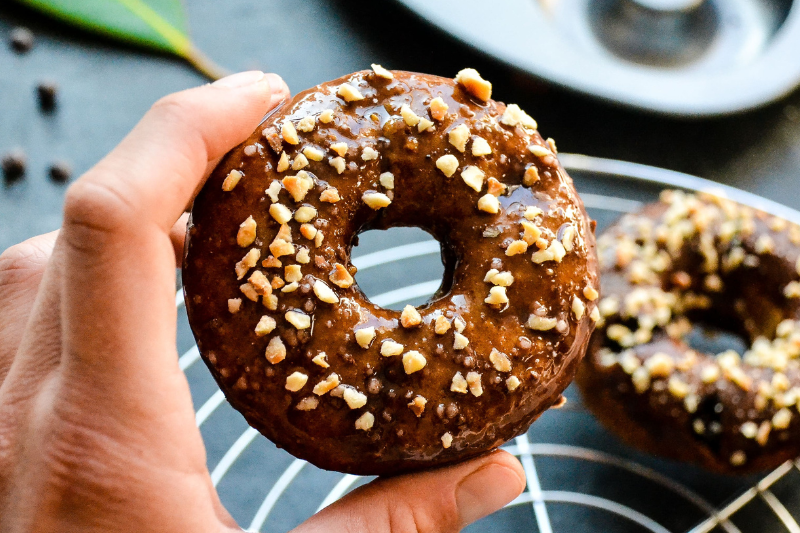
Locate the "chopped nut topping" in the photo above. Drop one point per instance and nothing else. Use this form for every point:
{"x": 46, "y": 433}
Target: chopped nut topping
{"x": 764, "y": 244}
{"x": 338, "y": 163}
{"x": 532, "y": 212}
{"x": 762, "y": 435}
{"x": 539, "y": 151}
{"x": 365, "y": 421}
{"x": 307, "y": 404}
{"x": 326, "y": 385}
{"x": 409, "y": 117}
{"x": 480, "y": 147}
{"x": 495, "y": 187}
{"x": 489, "y": 204}
{"x": 516, "y": 248}
{"x": 595, "y": 314}
{"x": 285, "y": 233}
{"x": 531, "y": 176}
{"x": 298, "y": 319}
{"x": 270, "y": 302}
{"x": 474, "y": 84}
{"x": 460, "y": 342}
{"x": 438, "y": 108}
{"x": 283, "y": 164}
{"x": 568, "y": 237}
{"x": 782, "y": 419}
{"x": 305, "y": 213}
{"x": 459, "y": 384}
{"x": 326, "y": 116}
{"x": 590, "y": 293}
{"x": 354, "y": 398}
{"x": 249, "y": 291}
{"x": 292, "y": 273}
{"x": 325, "y": 293}
{"x": 298, "y": 186}
{"x": 376, "y": 200}
{"x": 447, "y": 440}
{"x": 307, "y": 124}
{"x": 554, "y": 252}
{"x": 659, "y": 364}
{"x": 280, "y": 247}
{"x": 249, "y": 260}
{"x": 473, "y": 176}
{"x": 552, "y": 144}
{"x": 417, "y": 405}
{"x": 512, "y": 383}
{"x": 382, "y": 72}
{"x": 280, "y": 213}
{"x": 500, "y": 361}
{"x": 288, "y": 132}
{"x": 313, "y": 153}
{"x": 640, "y": 378}
{"x": 410, "y": 317}
{"x": 320, "y": 359}
{"x": 273, "y": 190}
{"x": 474, "y": 382}
{"x": 387, "y": 180}
{"x": 234, "y": 305}
{"x": 349, "y": 93}
{"x": 448, "y": 164}
{"x": 413, "y": 361}
{"x": 497, "y": 296}
{"x": 247, "y": 232}
{"x": 513, "y": 115}
{"x": 540, "y": 323}
{"x": 459, "y": 324}
{"x": 459, "y": 136}
{"x": 340, "y": 277}
{"x": 424, "y": 125}
{"x": 442, "y": 325}
{"x": 265, "y": 326}
{"x": 578, "y": 307}
{"x": 792, "y": 289}
{"x": 749, "y": 430}
{"x": 390, "y": 348}
{"x": 296, "y": 381}
{"x": 503, "y": 279}
{"x": 738, "y": 458}
{"x": 231, "y": 180}
{"x": 369, "y": 153}
{"x": 531, "y": 232}
{"x": 340, "y": 148}
{"x": 276, "y": 351}
{"x": 365, "y": 336}
{"x": 318, "y": 239}
{"x": 678, "y": 387}
{"x": 330, "y": 195}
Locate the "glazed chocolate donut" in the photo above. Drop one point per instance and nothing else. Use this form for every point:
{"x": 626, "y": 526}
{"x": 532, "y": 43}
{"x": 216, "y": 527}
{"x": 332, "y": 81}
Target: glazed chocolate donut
{"x": 300, "y": 351}
{"x": 690, "y": 260}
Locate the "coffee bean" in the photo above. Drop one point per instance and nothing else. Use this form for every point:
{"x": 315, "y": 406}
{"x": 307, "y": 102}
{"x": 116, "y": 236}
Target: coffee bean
{"x": 14, "y": 163}
{"x": 60, "y": 171}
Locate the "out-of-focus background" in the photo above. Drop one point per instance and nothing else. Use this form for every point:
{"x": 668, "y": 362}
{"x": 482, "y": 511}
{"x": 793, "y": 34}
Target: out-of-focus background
{"x": 592, "y": 82}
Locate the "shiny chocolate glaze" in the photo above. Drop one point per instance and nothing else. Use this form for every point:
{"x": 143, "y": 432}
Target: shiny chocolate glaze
{"x": 473, "y": 242}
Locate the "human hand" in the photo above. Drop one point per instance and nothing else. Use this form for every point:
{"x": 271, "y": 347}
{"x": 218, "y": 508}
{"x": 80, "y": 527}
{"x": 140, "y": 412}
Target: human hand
{"x": 97, "y": 427}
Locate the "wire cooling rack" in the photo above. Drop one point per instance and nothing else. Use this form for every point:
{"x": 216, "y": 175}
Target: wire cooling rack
{"x": 580, "y": 478}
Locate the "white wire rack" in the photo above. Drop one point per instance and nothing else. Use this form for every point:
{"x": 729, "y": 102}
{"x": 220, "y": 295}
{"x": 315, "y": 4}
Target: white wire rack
{"x": 612, "y": 187}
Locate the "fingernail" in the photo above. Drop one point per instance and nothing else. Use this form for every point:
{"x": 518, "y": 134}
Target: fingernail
{"x": 240, "y": 79}
{"x": 485, "y": 491}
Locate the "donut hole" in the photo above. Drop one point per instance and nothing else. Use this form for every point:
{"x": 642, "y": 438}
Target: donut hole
{"x": 706, "y": 337}
{"x": 399, "y": 266}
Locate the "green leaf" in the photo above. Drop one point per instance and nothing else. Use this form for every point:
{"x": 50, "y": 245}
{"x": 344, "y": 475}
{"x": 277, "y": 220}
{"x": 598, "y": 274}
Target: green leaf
{"x": 157, "y": 24}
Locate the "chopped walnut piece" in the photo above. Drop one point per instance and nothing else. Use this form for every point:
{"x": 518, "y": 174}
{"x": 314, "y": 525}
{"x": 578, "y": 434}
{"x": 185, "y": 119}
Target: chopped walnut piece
{"x": 531, "y": 232}
{"x": 460, "y": 341}
{"x": 231, "y": 180}
{"x": 276, "y": 350}
{"x": 330, "y": 195}
{"x": 300, "y": 162}
{"x": 531, "y": 175}
{"x": 480, "y": 147}
{"x": 234, "y": 305}
{"x": 474, "y": 84}
{"x": 413, "y": 361}
{"x": 473, "y": 176}
{"x": 459, "y": 384}
{"x": 503, "y": 279}
{"x": 513, "y": 115}
{"x": 265, "y": 326}
{"x": 539, "y": 151}
{"x": 792, "y": 289}
{"x": 512, "y": 383}
{"x": 296, "y": 381}
{"x": 447, "y": 440}
{"x": 260, "y": 283}
{"x": 326, "y": 385}
{"x": 271, "y": 262}
{"x": 390, "y": 348}
{"x": 489, "y": 204}
{"x": 365, "y": 421}
{"x": 247, "y": 232}
{"x": 273, "y": 139}
{"x": 578, "y": 307}
{"x": 298, "y": 186}
{"x": 532, "y": 212}
{"x": 340, "y": 277}
{"x": 376, "y": 200}
{"x": 417, "y": 405}
{"x": 541, "y": 323}
{"x": 554, "y": 252}
{"x": 369, "y": 154}
{"x": 293, "y": 273}
{"x": 438, "y": 108}
{"x": 497, "y": 296}
{"x": 410, "y": 317}
{"x": 387, "y": 180}
{"x": 500, "y": 361}
{"x": 249, "y": 291}
{"x": 552, "y": 144}
{"x": 280, "y": 213}
{"x": 270, "y": 302}
{"x": 677, "y": 387}
{"x": 459, "y": 324}
{"x": 338, "y": 163}
{"x": 305, "y": 213}
{"x": 326, "y": 116}
{"x": 660, "y": 365}
{"x": 303, "y": 256}
{"x": 280, "y": 247}
{"x": 283, "y": 164}
{"x": 442, "y": 325}
{"x": 325, "y": 293}
{"x": 340, "y": 148}
{"x": 595, "y": 314}
{"x": 459, "y": 136}
{"x": 353, "y": 398}
{"x": 495, "y": 187}
{"x": 448, "y": 164}
{"x": 382, "y": 72}
{"x": 307, "y": 404}
{"x": 273, "y": 190}
{"x": 313, "y": 153}
{"x": 349, "y": 93}
{"x": 590, "y": 293}
{"x": 288, "y": 132}
{"x": 249, "y": 260}
{"x": 409, "y": 117}
{"x": 738, "y": 458}
{"x": 307, "y": 124}
{"x": 474, "y": 382}
{"x": 320, "y": 360}
{"x": 318, "y": 239}
{"x": 516, "y": 248}
{"x": 298, "y": 319}
{"x": 365, "y": 336}
{"x": 424, "y": 125}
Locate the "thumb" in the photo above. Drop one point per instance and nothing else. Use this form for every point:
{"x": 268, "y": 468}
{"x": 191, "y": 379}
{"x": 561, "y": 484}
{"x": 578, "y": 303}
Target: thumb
{"x": 438, "y": 501}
